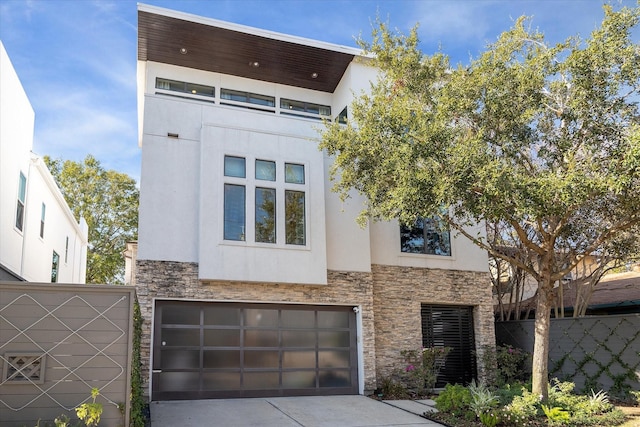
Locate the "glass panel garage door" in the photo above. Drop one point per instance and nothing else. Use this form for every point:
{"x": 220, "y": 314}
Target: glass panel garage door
{"x": 209, "y": 350}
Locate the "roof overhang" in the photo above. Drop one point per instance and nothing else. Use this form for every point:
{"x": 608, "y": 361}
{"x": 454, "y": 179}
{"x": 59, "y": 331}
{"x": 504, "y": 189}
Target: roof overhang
{"x": 191, "y": 41}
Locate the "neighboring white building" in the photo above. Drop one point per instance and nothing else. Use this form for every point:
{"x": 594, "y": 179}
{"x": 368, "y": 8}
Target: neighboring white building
{"x": 253, "y": 277}
{"x": 40, "y": 240}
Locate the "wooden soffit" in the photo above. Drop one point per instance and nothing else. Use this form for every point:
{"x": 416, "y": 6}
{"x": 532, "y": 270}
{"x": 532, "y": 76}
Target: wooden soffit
{"x": 186, "y": 43}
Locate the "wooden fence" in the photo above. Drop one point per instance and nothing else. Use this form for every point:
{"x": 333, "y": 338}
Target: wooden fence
{"x": 596, "y": 353}
{"x": 57, "y": 343}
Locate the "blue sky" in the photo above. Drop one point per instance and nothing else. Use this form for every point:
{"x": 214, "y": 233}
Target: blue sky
{"x": 77, "y": 58}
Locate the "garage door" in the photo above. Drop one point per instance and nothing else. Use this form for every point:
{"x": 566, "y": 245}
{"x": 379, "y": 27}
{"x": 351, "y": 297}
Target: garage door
{"x": 216, "y": 350}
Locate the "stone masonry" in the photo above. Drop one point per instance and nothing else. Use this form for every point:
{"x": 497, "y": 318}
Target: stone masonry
{"x": 398, "y": 293}
{"x": 390, "y": 299}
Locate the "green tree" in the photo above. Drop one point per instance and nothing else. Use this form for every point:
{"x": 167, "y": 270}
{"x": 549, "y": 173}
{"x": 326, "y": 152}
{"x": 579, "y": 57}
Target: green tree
{"x": 542, "y": 139}
{"x": 108, "y": 201}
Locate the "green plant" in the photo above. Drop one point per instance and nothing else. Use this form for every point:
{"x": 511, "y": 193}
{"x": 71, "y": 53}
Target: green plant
{"x": 489, "y": 418}
{"x": 137, "y": 417}
{"x": 421, "y": 368}
{"x": 392, "y": 389}
{"x": 90, "y": 413}
{"x": 454, "y": 399}
{"x": 62, "y": 421}
{"x": 483, "y": 400}
{"x": 509, "y": 363}
{"x": 555, "y": 415}
{"x": 636, "y": 396}
{"x": 523, "y": 408}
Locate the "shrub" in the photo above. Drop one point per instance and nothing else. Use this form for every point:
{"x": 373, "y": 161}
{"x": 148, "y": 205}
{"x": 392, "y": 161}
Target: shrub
{"x": 421, "y": 368}
{"x": 455, "y": 400}
{"x": 392, "y": 389}
{"x": 555, "y": 415}
{"x": 483, "y": 400}
{"x": 523, "y": 408}
{"x": 510, "y": 363}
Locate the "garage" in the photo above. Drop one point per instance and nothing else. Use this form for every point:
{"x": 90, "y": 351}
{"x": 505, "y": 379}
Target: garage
{"x": 205, "y": 350}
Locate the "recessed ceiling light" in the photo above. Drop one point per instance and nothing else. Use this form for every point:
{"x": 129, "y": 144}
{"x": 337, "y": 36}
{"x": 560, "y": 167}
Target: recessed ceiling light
{"x": 254, "y": 64}
{"x": 314, "y": 75}
{"x": 183, "y": 50}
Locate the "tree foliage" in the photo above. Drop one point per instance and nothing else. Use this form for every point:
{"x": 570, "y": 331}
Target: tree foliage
{"x": 541, "y": 139}
{"x": 108, "y": 201}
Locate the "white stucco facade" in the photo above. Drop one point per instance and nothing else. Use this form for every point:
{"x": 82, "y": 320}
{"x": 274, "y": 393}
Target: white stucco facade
{"x": 28, "y": 243}
{"x": 184, "y": 142}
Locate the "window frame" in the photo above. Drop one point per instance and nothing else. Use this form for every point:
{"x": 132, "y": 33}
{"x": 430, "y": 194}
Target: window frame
{"x": 42, "y": 218}
{"x": 427, "y": 229}
{"x": 21, "y": 202}
{"x": 55, "y": 267}
{"x": 254, "y": 182}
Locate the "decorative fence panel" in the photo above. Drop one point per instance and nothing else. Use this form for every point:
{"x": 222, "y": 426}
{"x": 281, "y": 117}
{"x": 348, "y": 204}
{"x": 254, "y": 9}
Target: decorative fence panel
{"x": 57, "y": 342}
{"x": 598, "y": 352}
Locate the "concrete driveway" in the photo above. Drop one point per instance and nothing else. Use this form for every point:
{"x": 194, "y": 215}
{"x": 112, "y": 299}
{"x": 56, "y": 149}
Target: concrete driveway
{"x": 342, "y": 411}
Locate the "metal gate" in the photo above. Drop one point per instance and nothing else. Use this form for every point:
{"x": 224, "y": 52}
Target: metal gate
{"x": 451, "y": 326}
{"x": 215, "y": 350}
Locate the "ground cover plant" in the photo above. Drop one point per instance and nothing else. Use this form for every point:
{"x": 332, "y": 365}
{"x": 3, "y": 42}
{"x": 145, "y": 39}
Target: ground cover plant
{"x": 516, "y": 406}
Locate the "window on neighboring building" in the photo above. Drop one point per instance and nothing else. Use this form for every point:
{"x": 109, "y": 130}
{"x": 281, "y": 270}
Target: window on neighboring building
{"x": 185, "y": 87}
{"x": 22, "y": 190}
{"x": 272, "y": 181}
{"x": 305, "y": 109}
{"x": 66, "y": 250}
{"x": 55, "y": 267}
{"x": 342, "y": 117}
{"x": 427, "y": 236}
{"x": 44, "y": 210}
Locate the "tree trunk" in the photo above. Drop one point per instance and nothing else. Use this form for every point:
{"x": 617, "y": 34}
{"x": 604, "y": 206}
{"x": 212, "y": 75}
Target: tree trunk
{"x": 540, "y": 368}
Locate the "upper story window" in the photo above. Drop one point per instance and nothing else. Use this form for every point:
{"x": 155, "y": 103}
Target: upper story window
{"x": 55, "y": 267}
{"x": 22, "y": 191}
{"x": 427, "y": 236}
{"x": 42, "y": 214}
{"x": 238, "y": 98}
{"x": 66, "y": 250}
{"x": 276, "y": 195}
{"x": 185, "y": 87}
{"x": 306, "y": 109}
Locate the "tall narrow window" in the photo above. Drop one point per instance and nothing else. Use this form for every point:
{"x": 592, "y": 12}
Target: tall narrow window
{"x": 234, "y": 212}
{"x": 294, "y": 217}
{"x": 22, "y": 190}
{"x": 55, "y": 265}
{"x": 44, "y": 210}
{"x": 66, "y": 250}
{"x": 265, "y": 215}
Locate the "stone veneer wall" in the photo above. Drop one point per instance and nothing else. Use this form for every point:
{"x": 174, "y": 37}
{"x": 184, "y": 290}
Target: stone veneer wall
{"x": 178, "y": 280}
{"x": 390, "y": 298}
{"x": 398, "y": 293}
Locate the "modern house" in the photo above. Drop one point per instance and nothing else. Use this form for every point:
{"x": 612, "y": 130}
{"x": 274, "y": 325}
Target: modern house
{"x": 252, "y": 275}
{"x": 40, "y": 239}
